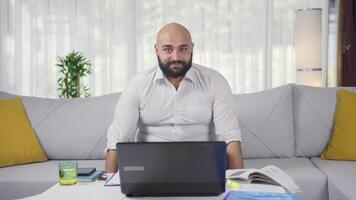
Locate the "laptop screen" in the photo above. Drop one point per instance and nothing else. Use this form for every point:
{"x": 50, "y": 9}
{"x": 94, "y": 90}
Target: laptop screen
{"x": 172, "y": 168}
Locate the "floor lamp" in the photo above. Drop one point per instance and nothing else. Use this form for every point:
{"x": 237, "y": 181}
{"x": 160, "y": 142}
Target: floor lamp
{"x": 308, "y": 47}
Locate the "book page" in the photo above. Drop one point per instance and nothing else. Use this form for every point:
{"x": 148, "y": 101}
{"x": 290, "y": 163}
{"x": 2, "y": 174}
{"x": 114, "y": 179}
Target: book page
{"x": 269, "y": 174}
{"x": 273, "y": 174}
{"x": 113, "y": 179}
{"x": 260, "y": 178}
{"x": 240, "y": 174}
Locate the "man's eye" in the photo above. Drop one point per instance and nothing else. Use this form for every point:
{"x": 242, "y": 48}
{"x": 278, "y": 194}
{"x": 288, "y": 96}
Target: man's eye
{"x": 183, "y": 49}
{"x": 168, "y": 50}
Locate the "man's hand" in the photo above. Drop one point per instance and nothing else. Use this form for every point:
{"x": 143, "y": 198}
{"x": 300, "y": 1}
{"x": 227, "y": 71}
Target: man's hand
{"x": 110, "y": 163}
{"x": 234, "y": 156}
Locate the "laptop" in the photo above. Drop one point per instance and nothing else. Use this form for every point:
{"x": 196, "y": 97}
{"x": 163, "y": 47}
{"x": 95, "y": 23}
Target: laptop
{"x": 172, "y": 168}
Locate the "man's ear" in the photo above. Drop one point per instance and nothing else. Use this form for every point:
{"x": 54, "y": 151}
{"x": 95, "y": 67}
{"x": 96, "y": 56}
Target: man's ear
{"x": 156, "y": 50}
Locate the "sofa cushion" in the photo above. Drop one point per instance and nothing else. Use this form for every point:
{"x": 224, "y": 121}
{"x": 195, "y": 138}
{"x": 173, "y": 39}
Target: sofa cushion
{"x": 342, "y": 143}
{"x": 266, "y": 123}
{"x": 30, "y": 179}
{"x": 341, "y": 177}
{"x": 18, "y": 142}
{"x": 5, "y": 95}
{"x": 71, "y": 128}
{"x": 310, "y": 179}
{"x": 313, "y": 110}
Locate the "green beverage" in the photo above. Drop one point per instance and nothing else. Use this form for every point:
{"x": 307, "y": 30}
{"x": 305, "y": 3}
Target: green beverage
{"x": 68, "y": 173}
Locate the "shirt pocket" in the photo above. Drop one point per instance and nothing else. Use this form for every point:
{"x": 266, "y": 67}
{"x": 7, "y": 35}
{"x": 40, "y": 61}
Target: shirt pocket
{"x": 196, "y": 114}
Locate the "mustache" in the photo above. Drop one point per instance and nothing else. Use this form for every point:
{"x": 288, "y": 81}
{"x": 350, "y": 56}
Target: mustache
{"x": 175, "y": 62}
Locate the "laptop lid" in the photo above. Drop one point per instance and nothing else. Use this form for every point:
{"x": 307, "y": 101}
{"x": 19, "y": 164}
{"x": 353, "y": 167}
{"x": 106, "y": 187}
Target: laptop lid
{"x": 172, "y": 168}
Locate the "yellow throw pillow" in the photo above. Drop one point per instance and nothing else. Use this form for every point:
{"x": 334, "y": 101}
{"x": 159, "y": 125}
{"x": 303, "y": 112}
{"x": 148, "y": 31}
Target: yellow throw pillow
{"x": 342, "y": 145}
{"x": 18, "y": 142}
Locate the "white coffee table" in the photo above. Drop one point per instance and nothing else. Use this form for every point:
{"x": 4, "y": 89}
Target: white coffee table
{"x": 97, "y": 190}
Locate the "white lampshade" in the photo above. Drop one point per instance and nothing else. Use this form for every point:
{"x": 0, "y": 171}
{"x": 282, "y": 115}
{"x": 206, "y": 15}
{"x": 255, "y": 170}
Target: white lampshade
{"x": 308, "y": 46}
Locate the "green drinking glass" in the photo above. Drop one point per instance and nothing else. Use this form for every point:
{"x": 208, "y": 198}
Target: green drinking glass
{"x": 68, "y": 173}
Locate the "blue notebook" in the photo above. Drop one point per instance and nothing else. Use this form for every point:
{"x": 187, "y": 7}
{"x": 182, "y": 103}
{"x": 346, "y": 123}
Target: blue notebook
{"x": 92, "y": 177}
{"x": 242, "y": 195}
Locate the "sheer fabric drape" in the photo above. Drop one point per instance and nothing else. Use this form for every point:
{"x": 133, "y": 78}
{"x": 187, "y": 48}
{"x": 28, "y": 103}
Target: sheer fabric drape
{"x": 249, "y": 42}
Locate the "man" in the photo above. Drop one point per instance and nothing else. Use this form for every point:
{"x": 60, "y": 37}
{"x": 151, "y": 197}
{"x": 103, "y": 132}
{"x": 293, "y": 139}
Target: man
{"x": 177, "y": 101}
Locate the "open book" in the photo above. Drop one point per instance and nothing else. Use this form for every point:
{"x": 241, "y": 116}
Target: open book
{"x": 270, "y": 175}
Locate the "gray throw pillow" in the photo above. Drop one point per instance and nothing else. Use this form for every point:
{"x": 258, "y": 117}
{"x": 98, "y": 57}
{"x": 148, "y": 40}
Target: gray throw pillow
{"x": 71, "y": 128}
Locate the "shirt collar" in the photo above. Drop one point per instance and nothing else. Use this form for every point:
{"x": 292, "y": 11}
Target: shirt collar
{"x": 158, "y": 74}
{"x": 190, "y": 74}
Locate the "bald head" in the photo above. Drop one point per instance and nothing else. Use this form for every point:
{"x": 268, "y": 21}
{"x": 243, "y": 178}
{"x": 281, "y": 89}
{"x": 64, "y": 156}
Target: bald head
{"x": 173, "y": 33}
{"x": 174, "y": 50}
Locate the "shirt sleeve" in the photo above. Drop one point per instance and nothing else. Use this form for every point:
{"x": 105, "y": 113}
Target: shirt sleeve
{"x": 124, "y": 126}
{"x": 224, "y": 113}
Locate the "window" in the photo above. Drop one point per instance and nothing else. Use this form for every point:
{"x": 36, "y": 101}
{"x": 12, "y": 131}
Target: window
{"x": 249, "y": 42}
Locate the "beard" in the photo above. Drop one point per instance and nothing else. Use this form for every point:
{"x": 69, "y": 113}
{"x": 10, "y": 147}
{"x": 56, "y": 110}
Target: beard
{"x": 172, "y": 73}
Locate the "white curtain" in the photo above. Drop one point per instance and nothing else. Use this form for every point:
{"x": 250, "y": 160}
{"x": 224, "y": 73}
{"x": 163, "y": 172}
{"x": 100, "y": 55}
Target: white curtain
{"x": 249, "y": 42}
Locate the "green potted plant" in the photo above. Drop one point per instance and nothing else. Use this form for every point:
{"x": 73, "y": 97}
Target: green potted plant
{"x": 73, "y": 68}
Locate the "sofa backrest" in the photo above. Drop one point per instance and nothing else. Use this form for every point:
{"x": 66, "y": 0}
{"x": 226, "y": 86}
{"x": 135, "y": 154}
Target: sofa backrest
{"x": 291, "y": 120}
{"x": 71, "y": 128}
{"x": 266, "y": 122}
{"x": 313, "y": 113}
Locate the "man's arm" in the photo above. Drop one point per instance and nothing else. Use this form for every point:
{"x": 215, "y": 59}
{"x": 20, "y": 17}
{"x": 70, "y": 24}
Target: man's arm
{"x": 225, "y": 121}
{"x": 110, "y": 163}
{"x": 234, "y": 155}
{"x": 124, "y": 125}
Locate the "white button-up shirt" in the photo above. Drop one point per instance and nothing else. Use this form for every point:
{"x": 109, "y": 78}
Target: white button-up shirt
{"x": 152, "y": 109}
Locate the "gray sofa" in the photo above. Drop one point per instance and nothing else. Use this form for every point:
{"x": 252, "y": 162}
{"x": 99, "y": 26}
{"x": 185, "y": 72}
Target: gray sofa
{"x": 288, "y": 126}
